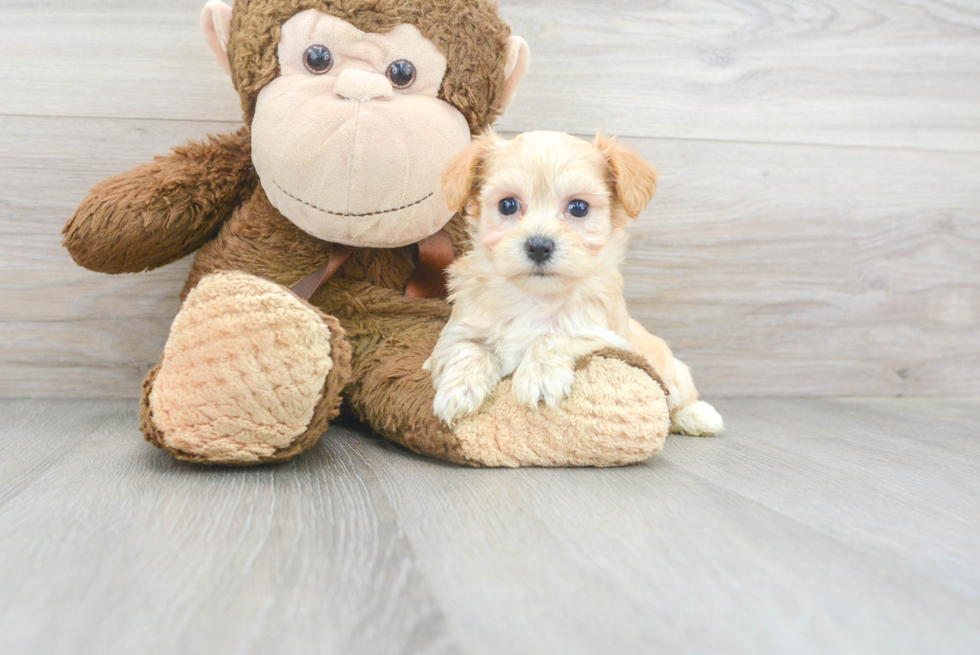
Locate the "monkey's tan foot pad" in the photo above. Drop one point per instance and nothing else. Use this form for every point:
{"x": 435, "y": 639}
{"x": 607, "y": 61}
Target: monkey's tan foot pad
{"x": 616, "y": 414}
{"x": 250, "y": 374}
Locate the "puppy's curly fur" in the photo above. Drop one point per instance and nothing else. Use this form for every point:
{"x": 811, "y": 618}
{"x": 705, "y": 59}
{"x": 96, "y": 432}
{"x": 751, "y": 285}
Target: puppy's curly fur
{"x": 542, "y": 287}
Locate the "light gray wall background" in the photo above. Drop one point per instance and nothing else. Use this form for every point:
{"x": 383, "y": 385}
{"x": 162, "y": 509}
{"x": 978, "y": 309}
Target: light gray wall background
{"x": 816, "y": 231}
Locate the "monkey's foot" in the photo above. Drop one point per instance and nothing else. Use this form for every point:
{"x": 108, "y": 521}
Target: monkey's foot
{"x": 250, "y": 374}
{"x": 616, "y": 414}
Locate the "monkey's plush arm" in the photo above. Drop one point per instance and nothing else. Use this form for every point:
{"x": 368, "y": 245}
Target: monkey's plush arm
{"x": 164, "y": 210}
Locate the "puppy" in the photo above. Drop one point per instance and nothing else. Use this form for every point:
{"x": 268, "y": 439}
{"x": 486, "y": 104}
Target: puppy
{"x": 541, "y": 287}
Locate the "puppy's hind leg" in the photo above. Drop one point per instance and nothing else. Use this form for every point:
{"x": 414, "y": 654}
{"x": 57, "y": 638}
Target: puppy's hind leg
{"x": 697, "y": 420}
{"x": 692, "y": 417}
{"x": 688, "y": 414}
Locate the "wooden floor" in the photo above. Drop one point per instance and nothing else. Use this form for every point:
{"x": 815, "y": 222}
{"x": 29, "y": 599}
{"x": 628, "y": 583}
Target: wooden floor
{"x": 810, "y": 526}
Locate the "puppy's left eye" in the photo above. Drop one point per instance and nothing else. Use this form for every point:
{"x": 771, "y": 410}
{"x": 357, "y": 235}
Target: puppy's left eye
{"x": 578, "y": 208}
{"x": 509, "y": 206}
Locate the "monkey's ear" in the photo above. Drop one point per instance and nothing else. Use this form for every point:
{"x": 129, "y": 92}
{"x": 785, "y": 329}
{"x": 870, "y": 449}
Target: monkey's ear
{"x": 459, "y": 179}
{"x": 216, "y": 23}
{"x": 635, "y": 180}
{"x": 518, "y": 60}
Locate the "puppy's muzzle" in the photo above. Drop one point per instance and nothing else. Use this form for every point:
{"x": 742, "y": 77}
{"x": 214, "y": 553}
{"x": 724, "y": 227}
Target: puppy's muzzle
{"x": 539, "y": 249}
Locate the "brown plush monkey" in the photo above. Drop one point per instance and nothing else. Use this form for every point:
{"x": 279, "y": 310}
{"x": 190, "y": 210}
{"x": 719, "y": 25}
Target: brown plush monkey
{"x": 352, "y": 109}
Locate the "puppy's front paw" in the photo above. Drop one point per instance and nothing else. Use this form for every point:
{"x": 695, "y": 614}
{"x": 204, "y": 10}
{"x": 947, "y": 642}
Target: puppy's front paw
{"x": 538, "y": 381}
{"x": 463, "y": 374}
{"x": 455, "y": 400}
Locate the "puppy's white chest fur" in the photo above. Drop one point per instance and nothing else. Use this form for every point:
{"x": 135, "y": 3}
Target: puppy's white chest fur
{"x": 510, "y": 321}
{"x": 498, "y": 329}
{"x": 541, "y": 287}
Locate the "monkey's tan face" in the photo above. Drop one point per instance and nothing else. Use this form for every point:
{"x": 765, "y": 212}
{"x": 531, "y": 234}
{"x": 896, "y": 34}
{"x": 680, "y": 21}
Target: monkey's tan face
{"x": 350, "y": 141}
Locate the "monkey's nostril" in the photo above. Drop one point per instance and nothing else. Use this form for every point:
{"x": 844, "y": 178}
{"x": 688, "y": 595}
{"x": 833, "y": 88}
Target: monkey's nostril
{"x": 539, "y": 249}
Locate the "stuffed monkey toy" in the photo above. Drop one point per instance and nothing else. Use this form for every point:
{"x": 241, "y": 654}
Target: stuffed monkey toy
{"x": 322, "y": 234}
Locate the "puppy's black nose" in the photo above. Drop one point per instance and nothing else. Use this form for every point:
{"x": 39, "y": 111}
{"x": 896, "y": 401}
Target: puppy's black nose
{"x": 539, "y": 249}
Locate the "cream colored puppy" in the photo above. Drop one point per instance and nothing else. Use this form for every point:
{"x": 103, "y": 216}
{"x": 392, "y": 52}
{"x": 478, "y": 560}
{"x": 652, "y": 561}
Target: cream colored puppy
{"x": 541, "y": 286}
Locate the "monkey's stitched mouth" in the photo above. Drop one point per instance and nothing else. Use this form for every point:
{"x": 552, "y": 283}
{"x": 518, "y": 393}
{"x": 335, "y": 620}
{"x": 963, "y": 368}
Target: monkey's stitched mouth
{"x": 327, "y": 211}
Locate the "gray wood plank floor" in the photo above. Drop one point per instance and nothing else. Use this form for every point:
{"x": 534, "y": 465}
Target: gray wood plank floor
{"x": 844, "y": 526}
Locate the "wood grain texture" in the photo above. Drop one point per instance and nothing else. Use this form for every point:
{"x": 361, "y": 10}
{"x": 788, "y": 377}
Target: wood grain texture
{"x": 781, "y": 270}
{"x": 847, "y": 72}
{"x": 119, "y": 548}
{"x": 129, "y": 60}
{"x": 772, "y": 270}
{"x": 807, "y": 527}
{"x": 810, "y": 526}
{"x": 33, "y": 438}
{"x": 899, "y": 475}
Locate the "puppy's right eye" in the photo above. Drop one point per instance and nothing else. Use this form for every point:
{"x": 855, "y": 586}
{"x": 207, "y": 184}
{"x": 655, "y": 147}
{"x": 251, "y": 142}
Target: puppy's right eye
{"x": 578, "y": 208}
{"x": 509, "y": 206}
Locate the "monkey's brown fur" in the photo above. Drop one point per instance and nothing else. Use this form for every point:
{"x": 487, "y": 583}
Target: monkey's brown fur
{"x": 206, "y": 197}
{"x": 188, "y": 194}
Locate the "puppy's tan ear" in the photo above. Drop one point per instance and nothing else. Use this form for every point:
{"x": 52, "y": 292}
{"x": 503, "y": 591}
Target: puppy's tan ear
{"x": 459, "y": 181}
{"x": 634, "y": 179}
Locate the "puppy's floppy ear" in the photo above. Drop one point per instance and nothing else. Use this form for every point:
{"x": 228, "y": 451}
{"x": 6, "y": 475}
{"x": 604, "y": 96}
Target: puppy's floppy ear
{"x": 634, "y": 179}
{"x": 459, "y": 181}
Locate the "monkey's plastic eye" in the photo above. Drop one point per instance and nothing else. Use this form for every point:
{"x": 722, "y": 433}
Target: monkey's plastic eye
{"x": 578, "y": 208}
{"x": 509, "y": 206}
{"x": 318, "y": 59}
{"x": 401, "y": 73}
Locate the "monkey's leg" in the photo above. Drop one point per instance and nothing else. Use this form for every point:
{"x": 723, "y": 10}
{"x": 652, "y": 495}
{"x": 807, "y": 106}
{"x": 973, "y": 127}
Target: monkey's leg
{"x": 250, "y": 374}
{"x": 616, "y": 413}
